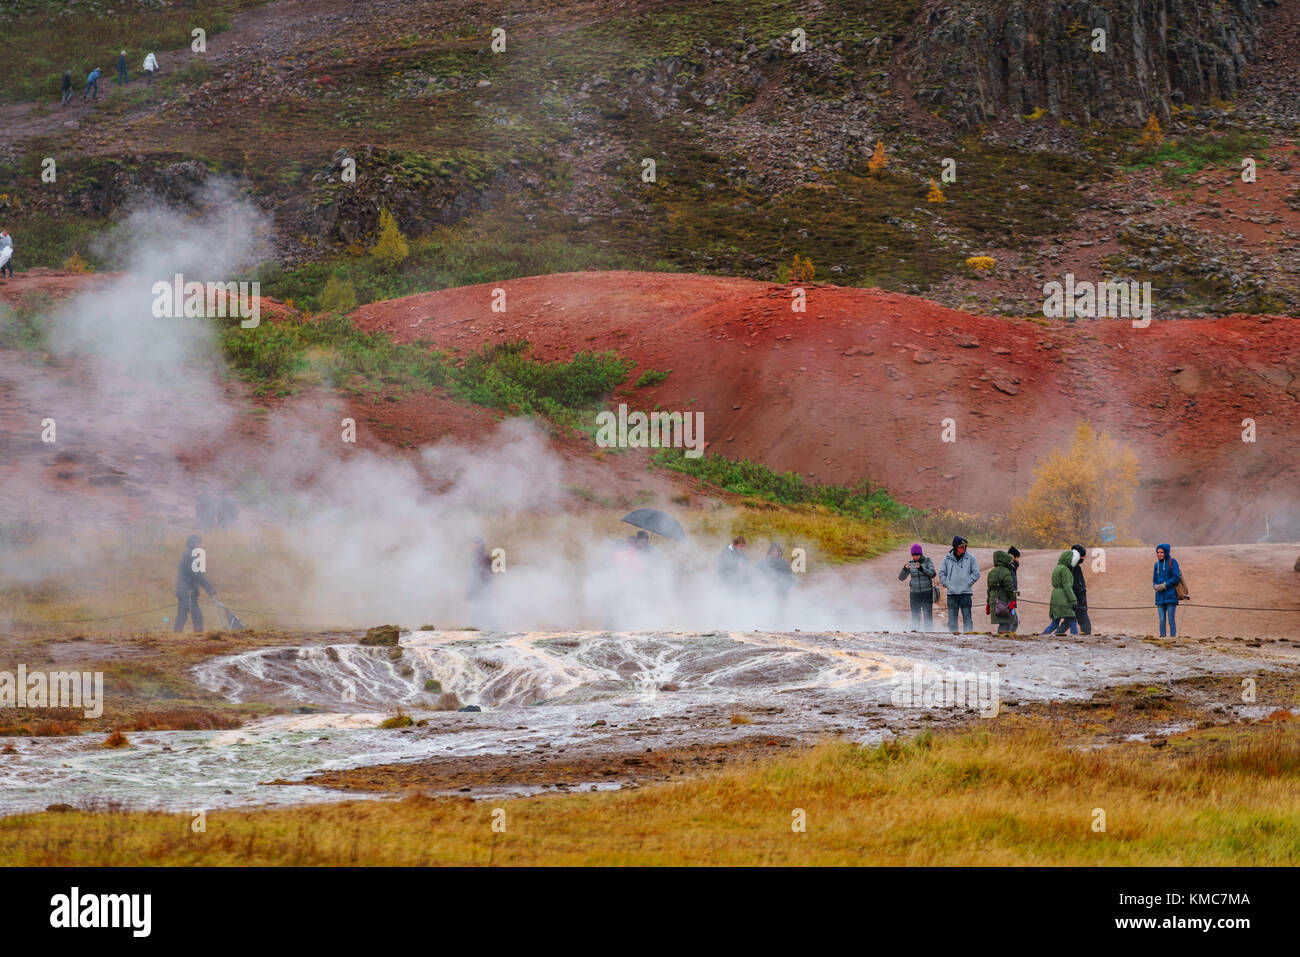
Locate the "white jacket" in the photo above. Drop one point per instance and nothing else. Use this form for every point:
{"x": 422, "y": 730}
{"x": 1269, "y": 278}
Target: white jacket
{"x": 150, "y": 63}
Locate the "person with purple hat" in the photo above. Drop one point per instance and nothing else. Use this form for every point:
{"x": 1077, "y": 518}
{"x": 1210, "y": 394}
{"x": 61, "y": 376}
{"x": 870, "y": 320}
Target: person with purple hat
{"x": 921, "y": 569}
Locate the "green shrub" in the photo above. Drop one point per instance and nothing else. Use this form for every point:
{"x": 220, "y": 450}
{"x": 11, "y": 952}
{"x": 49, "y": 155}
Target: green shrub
{"x": 339, "y": 296}
{"x": 651, "y": 377}
{"x": 750, "y": 478}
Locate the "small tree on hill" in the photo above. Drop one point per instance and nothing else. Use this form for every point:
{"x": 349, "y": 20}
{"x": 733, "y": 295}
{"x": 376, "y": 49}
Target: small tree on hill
{"x": 878, "y": 159}
{"x": 1077, "y": 492}
{"x": 1152, "y": 135}
{"x": 390, "y": 250}
{"x": 936, "y": 194}
{"x": 801, "y": 270}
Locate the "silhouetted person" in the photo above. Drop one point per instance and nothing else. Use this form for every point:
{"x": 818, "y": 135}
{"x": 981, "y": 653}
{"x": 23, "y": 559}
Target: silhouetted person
{"x": 226, "y": 511}
{"x": 733, "y": 566}
{"x": 205, "y": 509}
{"x": 188, "y": 583}
{"x": 479, "y": 589}
{"x": 779, "y": 574}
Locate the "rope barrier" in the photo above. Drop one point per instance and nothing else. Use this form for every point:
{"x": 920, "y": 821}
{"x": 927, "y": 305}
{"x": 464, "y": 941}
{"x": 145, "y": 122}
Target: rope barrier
{"x": 1188, "y": 602}
{"x": 78, "y": 621}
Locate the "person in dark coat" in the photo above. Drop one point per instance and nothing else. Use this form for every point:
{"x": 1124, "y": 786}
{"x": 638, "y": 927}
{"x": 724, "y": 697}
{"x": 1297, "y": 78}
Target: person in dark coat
{"x": 188, "y": 582}
{"x": 479, "y": 589}
{"x": 1000, "y": 599}
{"x": 1081, "y": 592}
{"x": 67, "y": 86}
{"x": 1015, "y": 581}
{"x": 205, "y": 510}
{"x": 1165, "y": 574}
{"x": 226, "y": 511}
{"x": 920, "y": 570}
{"x": 122, "y": 77}
{"x": 777, "y": 571}
{"x": 733, "y": 566}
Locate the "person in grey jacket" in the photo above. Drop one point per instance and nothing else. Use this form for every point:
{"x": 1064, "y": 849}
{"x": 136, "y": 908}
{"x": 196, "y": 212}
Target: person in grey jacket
{"x": 959, "y": 573}
{"x": 921, "y": 570}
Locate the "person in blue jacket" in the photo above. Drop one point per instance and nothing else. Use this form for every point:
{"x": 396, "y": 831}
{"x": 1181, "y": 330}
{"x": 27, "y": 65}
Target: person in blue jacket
{"x": 1164, "y": 576}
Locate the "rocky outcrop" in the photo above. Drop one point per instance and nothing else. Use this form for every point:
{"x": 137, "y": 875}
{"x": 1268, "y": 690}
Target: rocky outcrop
{"x": 980, "y": 60}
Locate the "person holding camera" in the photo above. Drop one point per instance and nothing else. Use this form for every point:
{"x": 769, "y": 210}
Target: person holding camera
{"x": 921, "y": 589}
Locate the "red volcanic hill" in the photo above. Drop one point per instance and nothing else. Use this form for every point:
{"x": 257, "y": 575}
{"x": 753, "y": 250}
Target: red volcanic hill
{"x": 860, "y": 384}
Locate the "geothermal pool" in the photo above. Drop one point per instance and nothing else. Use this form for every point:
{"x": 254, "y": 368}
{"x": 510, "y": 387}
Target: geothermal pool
{"x": 582, "y": 692}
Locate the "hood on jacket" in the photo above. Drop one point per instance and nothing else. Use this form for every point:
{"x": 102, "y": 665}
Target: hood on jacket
{"x": 1168, "y": 552}
{"x": 1083, "y": 552}
{"x": 1065, "y": 558}
{"x": 957, "y": 540}
{"x": 192, "y": 541}
{"x": 1002, "y": 558}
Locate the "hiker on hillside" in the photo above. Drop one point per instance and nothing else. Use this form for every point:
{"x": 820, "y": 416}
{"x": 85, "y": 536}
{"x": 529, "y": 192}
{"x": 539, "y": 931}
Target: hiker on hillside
{"x": 733, "y": 566}
{"x": 188, "y": 582}
{"x": 479, "y": 589}
{"x": 1000, "y": 600}
{"x": 6, "y": 254}
{"x": 67, "y": 87}
{"x": 777, "y": 571}
{"x": 959, "y": 573}
{"x": 150, "y": 68}
{"x": 921, "y": 588}
{"x": 122, "y": 78}
{"x": 1015, "y": 579}
{"x": 1062, "y": 603}
{"x": 1165, "y": 574}
{"x": 92, "y": 85}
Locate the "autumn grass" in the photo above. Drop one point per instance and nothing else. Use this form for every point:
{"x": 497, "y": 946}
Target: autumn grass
{"x": 1011, "y": 795}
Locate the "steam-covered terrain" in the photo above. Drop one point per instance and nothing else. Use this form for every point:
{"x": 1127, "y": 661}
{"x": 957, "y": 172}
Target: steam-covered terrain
{"x": 579, "y": 696}
{"x": 316, "y": 338}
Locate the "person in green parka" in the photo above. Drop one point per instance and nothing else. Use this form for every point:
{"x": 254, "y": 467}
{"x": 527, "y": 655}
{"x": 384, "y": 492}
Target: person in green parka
{"x": 1062, "y": 608}
{"x": 1000, "y": 601}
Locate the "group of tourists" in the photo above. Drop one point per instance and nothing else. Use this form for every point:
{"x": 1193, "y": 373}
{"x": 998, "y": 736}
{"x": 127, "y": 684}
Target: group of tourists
{"x": 1068, "y": 604}
{"x": 150, "y": 67}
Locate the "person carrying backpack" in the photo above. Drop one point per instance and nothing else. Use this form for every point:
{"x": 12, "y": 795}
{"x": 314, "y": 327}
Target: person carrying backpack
{"x": 1165, "y": 576}
{"x": 92, "y": 85}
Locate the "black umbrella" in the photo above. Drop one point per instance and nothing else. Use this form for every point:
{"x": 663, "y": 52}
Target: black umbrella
{"x": 653, "y": 520}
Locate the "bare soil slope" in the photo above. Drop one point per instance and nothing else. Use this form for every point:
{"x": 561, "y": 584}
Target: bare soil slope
{"x": 860, "y": 384}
